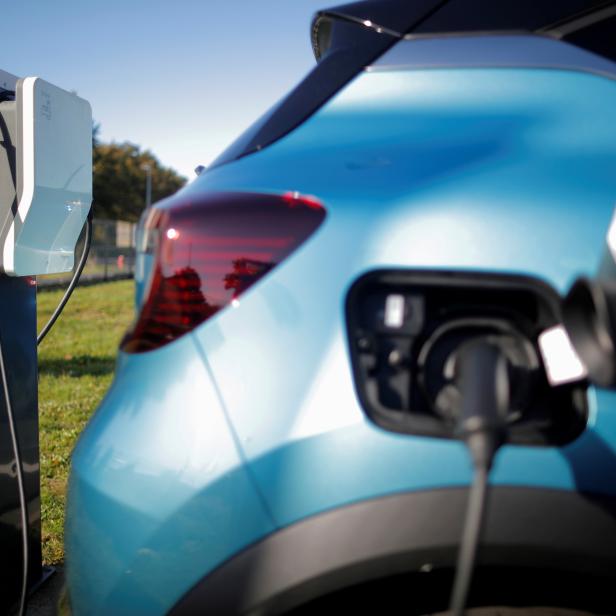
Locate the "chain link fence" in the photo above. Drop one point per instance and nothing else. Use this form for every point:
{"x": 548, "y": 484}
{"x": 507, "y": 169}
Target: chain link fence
{"x": 112, "y": 254}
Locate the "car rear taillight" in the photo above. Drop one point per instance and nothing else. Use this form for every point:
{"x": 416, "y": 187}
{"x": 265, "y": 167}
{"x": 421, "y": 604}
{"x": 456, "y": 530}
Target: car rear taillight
{"x": 207, "y": 252}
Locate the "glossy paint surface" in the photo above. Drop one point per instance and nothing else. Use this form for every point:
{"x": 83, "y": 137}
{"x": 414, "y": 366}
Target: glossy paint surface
{"x": 504, "y": 170}
{"x": 158, "y": 492}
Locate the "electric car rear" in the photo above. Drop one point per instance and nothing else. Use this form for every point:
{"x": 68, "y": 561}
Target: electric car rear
{"x": 281, "y": 431}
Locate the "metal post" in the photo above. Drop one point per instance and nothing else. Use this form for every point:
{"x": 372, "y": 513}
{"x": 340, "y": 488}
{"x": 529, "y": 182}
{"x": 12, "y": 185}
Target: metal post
{"x": 148, "y": 184}
{"x": 18, "y": 326}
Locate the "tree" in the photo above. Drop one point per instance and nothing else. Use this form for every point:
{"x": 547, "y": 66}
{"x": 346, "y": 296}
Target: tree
{"x": 120, "y": 179}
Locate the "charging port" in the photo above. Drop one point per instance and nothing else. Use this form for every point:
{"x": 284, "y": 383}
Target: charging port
{"x": 407, "y": 331}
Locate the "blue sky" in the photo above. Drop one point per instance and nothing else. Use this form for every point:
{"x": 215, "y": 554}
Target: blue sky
{"x": 180, "y": 77}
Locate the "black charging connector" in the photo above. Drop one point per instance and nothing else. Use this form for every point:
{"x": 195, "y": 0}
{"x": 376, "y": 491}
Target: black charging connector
{"x": 482, "y": 374}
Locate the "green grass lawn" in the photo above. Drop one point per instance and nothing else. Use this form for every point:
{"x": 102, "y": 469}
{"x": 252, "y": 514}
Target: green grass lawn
{"x": 76, "y": 363}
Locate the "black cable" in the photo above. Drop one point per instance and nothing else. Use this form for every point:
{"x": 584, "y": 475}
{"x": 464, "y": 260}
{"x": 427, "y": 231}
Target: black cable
{"x": 23, "y": 505}
{"x": 73, "y": 283}
{"x": 473, "y": 526}
{"x": 7, "y": 95}
{"x": 483, "y": 381}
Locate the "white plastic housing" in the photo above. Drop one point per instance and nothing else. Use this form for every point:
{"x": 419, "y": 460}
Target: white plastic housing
{"x": 53, "y": 150}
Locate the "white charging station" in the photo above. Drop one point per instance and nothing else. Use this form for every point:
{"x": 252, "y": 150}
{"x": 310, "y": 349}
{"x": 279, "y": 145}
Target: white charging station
{"x": 45, "y": 198}
{"x": 46, "y": 190}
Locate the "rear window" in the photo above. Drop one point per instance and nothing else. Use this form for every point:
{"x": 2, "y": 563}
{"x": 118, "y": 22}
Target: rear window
{"x": 359, "y": 33}
{"x": 351, "y": 37}
{"x": 337, "y": 67}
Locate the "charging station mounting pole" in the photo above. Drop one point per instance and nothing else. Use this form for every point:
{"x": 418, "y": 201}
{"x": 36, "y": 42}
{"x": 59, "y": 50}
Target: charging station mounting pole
{"x": 18, "y": 320}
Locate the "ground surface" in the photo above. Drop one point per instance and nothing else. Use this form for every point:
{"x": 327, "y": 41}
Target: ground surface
{"x": 44, "y": 601}
{"x": 76, "y": 363}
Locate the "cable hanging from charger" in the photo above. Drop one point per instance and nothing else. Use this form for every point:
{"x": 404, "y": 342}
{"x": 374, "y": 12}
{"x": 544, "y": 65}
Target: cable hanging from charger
{"x": 23, "y": 505}
{"x": 74, "y": 281}
{"x": 483, "y": 379}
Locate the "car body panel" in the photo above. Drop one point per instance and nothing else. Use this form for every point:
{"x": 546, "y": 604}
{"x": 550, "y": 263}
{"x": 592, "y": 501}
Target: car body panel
{"x": 507, "y": 170}
{"x": 500, "y": 167}
{"x": 156, "y": 460}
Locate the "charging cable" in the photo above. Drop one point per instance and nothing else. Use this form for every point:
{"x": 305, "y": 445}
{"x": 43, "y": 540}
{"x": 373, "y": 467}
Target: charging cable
{"x": 71, "y": 287}
{"x": 23, "y": 506}
{"x": 483, "y": 381}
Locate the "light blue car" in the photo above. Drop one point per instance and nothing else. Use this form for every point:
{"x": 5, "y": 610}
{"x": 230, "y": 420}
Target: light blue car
{"x": 280, "y": 435}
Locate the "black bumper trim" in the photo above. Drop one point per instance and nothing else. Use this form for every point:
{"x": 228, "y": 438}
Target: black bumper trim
{"x": 545, "y": 529}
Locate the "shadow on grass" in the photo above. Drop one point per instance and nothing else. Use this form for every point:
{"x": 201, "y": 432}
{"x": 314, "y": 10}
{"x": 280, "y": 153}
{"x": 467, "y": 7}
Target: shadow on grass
{"x": 78, "y": 365}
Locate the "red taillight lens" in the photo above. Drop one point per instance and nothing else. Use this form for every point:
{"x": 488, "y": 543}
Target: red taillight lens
{"x": 208, "y": 252}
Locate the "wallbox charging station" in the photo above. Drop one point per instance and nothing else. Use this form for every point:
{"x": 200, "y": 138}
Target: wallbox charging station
{"x": 45, "y": 198}
{"x": 48, "y": 194}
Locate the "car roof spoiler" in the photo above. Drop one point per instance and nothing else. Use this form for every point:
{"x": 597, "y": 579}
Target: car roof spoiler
{"x": 400, "y": 18}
